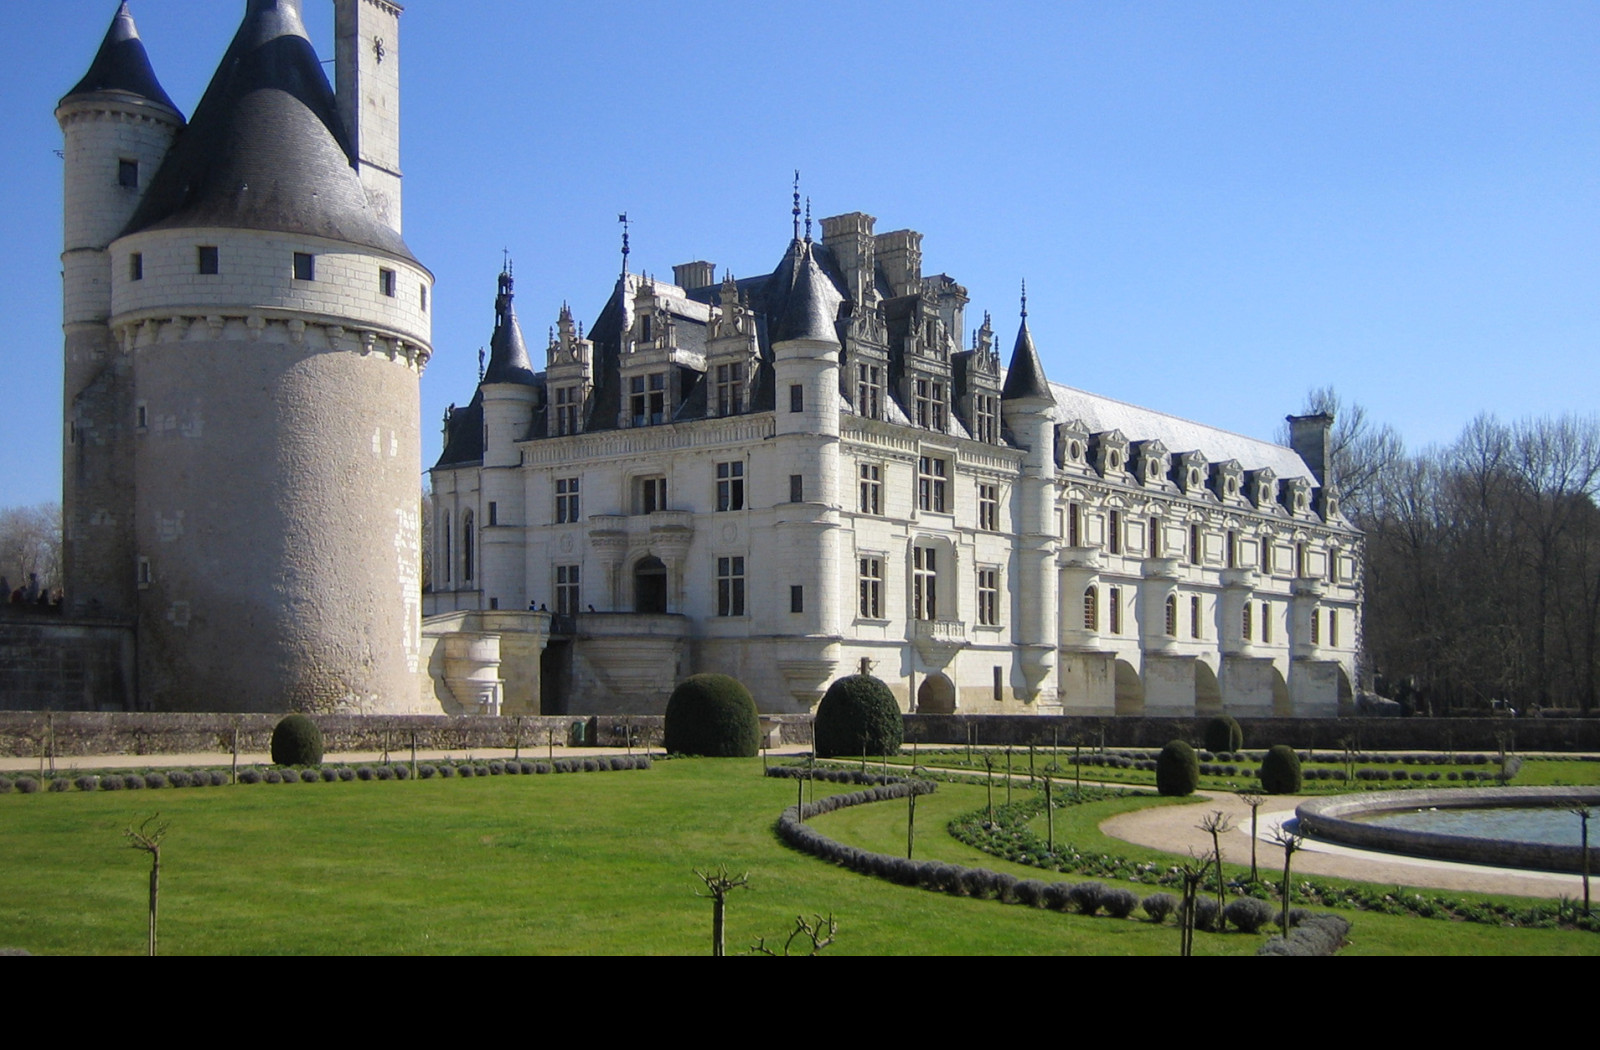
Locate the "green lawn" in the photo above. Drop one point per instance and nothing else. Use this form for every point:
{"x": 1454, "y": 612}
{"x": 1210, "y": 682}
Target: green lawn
{"x": 596, "y": 863}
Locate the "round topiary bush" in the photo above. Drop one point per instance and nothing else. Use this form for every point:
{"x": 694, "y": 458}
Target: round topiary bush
{"x": 712, "y": 715}
{"x": 1280, "y": 771}
{"x": 858, "y": 715}
{"x": 1177, "y": 769}
{"x": 1223, "y": 734}
{"x": 296, "y": 741}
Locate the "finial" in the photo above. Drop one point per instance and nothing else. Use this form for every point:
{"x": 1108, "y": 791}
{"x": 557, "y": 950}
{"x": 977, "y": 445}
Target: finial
{"x": 1024, "y": 300}
{"x": 623, "y": 218}
{"x": 505, "y": 260}
{"x": 797, "y": 204}
{"x": 808, "y": 219}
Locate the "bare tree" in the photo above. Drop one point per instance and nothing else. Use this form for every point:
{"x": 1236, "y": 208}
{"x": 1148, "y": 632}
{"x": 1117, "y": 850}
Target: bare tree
{"x": 718, "y": 885}
{"x": 147, "y": 838}
{"x": 30, "y": 546}
{"x": 817, "y": 931}
{"x": 1254, "y": 801}
{"x": 1291, "y": 844}
{"x": 1216, "y": 824}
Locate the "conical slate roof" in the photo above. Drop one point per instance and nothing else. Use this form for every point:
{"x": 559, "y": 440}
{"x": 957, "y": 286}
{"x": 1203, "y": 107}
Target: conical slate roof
{"x": 508, "y": 354}
{"x": 121, "y": 66}
{"x": 809, "y": 299}
{"x": 266, "y": 149}
{"x": 1025, "y": 375}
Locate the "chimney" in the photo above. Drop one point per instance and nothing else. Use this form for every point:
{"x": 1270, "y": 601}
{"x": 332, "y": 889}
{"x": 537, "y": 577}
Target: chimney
{"x": 1309, "y": 437}
{"x": 692, "y": 275}
{"x": 849, "y": 238}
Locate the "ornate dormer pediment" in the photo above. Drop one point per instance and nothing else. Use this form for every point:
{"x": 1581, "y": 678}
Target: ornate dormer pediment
{"x": 1263, "y": 488}
{"x": 1152, "y": 462}
{"x": 1227, "y": 480}
{"x": 1190, "y": 474}
{"x": 1072, "y": 443}
{"x": 1110, "y": 453}
{"x": 1295, "y": 495}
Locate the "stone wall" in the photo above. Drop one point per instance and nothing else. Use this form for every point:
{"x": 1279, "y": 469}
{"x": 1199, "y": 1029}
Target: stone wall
{"x": 48, "y": 663}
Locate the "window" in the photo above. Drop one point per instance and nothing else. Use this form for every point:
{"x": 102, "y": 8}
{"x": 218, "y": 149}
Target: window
{"x": 144, "y": 575}
{"x": 422, "y": 298}
{"x": 494, "y": 513}
{"x": 466, "y": 547}
{"x": 136, "y": 266}
{"x": 989, "y": 597}
{"x": 1266, "y": 622}
{"x": 386, "y": 282}
{"x": 1333, "y": 628}
{"x": 871, "y": 587}
{"x": 567, "y": 508}
{"x": 1195, "y": 626}
{"x": 1114, "y": 609}
{"x": 932, "y": 477}
{"x": 305, "y": 266}
{"x": 1233, "y": 550}
{"x": 567, "y": 590}
{"x": 1316, "y": 627}
{"x": 871, "y": 489}
{"x": 929, "y": 398}
{"x": 989, "y": 508}
{"x": 986, "y": 418}
{"x": 1114, "y": 534}
{"x": 141, "y": 415}
{"x": 999, "y": 684}
{"x": 207, "y": 260}
{"x": 650, "y": 495}
{"x": 797, "y": 397}
{"x": 869, "y": 399}
{"x": 1074, "y": 524}
{"x": 128, "y": 174}
{"x": 924, "y": 584}
{"x": 797, "y": 488}
{"x": 444, "y": 545}
{"x": 1300, "y": 560}
{"x": 647, "y": 401}
{"x": 730, "y": 389}
{"x": 730, "y": 486}
{"x": 1266, "y": 556}
{"x": 797, "y": 598}
{"x": 1155, "y": 538}
{"x": 1245, "y": 624}
{"x": 494, "y": 603}
{"x": 1091, "y": 609}
{"x": 730, "y": 586}
{"x": 1196, "y": 549}
{"x": 1172, "y": 616}
{"x": 567, "y": 405}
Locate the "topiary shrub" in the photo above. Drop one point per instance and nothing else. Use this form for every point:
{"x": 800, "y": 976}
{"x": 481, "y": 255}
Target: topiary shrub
{"x": 249, "y": 776}
{"x": 27, "y": 786}
{"x": 1177, "y": 769}
{"x": 1280, "y": 771}
{"x": 296, "y": 741}
{"x": 712, "y": 715}
{"x": 60, "y": 784}
{"x": 1119, "y": 903}
{"x": 1223, "y": 734}
{"x": 1249, "y": 914}
{"x": 87, "y": 782}
{"x": 858, "y": 715}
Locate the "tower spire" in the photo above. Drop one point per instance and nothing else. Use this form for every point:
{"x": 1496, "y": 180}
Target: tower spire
{"x": 623, "y": 218}
{"x": 796, "y": 204}
{"x": 808, "y": 220}
{"x": 1024, "y": 300}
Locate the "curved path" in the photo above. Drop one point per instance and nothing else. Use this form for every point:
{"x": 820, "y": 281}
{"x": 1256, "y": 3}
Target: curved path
{"x": 1173, "y": 829}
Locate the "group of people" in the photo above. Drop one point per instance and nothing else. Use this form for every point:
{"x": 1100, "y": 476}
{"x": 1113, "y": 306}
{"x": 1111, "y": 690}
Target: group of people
{"x": 32, "y": 594}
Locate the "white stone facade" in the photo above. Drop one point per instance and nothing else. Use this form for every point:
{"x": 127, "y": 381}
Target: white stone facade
{"x": 872, "y": 498}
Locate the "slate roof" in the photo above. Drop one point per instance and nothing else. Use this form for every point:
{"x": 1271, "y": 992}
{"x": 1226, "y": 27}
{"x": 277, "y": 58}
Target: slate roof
{"x": 266, "y": 149}
{"x": 804, "y": 300}
{"x": 121, "y": 66}
{"x": 508, "y": 354}
{"x": 1025, "y": 377}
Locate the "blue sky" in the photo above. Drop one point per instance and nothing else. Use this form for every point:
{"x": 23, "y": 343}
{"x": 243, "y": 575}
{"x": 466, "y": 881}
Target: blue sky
{"x": 1216, "y": 206}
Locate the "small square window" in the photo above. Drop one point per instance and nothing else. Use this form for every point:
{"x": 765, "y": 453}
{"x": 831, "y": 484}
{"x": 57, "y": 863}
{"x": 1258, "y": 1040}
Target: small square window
{"x": 797, "y": 488}
{"x": 797, "y": 599}
{"x": 128, "y": 174}
{"x": 797, "y": 398}
{"x": 208, "y": 260}
{"x": 386, "y": 282}
{"x": 305, "y": 266}
{"x": 136, "y": 266}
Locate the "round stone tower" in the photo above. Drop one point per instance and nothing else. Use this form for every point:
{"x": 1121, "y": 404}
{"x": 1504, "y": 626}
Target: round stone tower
{"x": 274, "y": 326}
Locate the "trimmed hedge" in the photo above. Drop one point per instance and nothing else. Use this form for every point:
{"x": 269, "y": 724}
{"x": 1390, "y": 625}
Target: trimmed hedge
{"x": 296, "y": 741}
{"x": 1177, "y": 769}
{"x": 712, "y": 715}
{"x": 1280, "y": 771}
{"x": 858, "y": 715}
{"x": 1223, "y": 734}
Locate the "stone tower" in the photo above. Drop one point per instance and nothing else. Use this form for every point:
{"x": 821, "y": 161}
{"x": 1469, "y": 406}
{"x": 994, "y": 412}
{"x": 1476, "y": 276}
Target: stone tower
{"x": 243, "y": 479}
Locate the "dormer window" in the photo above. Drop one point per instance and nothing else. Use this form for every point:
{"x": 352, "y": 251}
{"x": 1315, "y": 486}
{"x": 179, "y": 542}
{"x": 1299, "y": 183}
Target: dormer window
{"x": 647, "y": 399}
{"x": 929, "y": 396}
{"x": 986, "y": 418}
{"x": 869, "y": 391}
{"x": 730, "y": 389}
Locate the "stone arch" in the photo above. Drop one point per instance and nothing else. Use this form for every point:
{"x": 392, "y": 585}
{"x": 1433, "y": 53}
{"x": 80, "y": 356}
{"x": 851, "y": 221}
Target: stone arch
{"x": 936, "y": 696}
{"x": 1207, "y": 691}
{"x": 649, "y": 585}
{"x": 1129, "y": 690}
{"x": 1282, "y": 706}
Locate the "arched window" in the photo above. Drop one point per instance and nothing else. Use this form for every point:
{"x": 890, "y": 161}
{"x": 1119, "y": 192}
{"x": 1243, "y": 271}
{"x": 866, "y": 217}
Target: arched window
{"x": 1091, "y": 609}
{"x": 1172, "y": 616}
{"x": 444, "y": 546}
{"x": 1244, "y": 625}
{"x": 466, "y": 547}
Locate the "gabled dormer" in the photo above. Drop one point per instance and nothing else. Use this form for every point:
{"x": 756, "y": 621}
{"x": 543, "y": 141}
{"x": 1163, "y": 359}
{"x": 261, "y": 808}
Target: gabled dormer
{"x": 1189, "y": 473}
{"x": 1110, "y": 452}
{"x": 1072, "y": 445}
{"x": 925, "y": 371}
{"x": 1151, "y": 462}
{"x": 1227, "y": 481}
{"x": 1262, "y": 487}
{"x": 732, "y": 353}
{"x": 655, "y": 368}
{"x": 569, "y": 377}
{"x": 1328, "y": 502}
{"x": 1295, "y": 495}
{"x": 977, "y": 373}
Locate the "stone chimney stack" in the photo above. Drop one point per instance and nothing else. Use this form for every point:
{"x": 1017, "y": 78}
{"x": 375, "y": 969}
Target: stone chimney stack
{"x": 1310, "y": 437}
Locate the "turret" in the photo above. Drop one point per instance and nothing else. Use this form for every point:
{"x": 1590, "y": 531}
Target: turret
{"x": 118, "y": 124}
{"x": 510, "y": 397}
